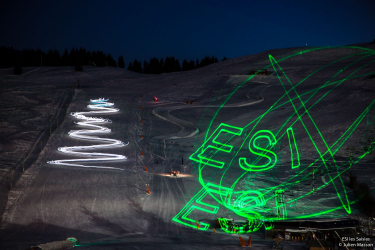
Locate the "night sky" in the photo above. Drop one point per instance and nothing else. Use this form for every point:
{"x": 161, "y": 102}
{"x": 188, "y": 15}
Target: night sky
{"x": 184, "y": 29}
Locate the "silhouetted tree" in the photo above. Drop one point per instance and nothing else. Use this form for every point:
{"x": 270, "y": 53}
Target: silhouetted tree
{"x": 4, "y": 56}
{"x": 168, "y": 65}
{"x": 177, "y": 66}
{"x": 73, "y": 57}
{"x": 185, "y": 65}
{"x": 207, "y": 61}
{"x": 10, "y": 57}
{"x": 146, "y": 68}
{"x": 29, "y": 58}
{"x": 191, "y": 65}
{"x": 161, "y": 66}
{"x": 171, "y": 64}
{"x": 110, "y": 61}
{"x": 56, "y": 58}
{"x": 65, "y": 58}
{"x": 24, "y": 58}
{"x": 48, "y": 60}
{"x": 137, "y": 66}
{"x": 154, "y": 66}
{"x": 93, "y": 57}
{"x": 130, "y": 66}
{"x": 120, "y": 62}
{"x": 100, "y": 58}
{"x": 88, "y": 58}
{"x": 224, "y": 59}
{"x": 81, "y": 57}
{"x": 16, "y": 58}
{"x": 40, "y": 54}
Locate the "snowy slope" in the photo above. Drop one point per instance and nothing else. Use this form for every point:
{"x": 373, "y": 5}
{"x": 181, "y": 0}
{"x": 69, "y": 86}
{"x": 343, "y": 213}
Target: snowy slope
{"x": 109, "y": 209}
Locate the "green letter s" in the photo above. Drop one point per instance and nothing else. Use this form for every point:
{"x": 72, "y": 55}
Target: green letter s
{"x": 262, "y": 152}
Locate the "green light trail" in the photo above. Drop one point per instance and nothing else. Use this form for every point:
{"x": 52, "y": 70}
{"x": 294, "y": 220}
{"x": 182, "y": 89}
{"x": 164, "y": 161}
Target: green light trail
{"x": 293, "y": 149}
{"x": 222, "y": 154}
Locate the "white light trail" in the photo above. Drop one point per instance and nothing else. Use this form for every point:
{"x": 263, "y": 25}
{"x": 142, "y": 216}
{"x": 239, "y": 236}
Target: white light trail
{"x": 102, "y": 106}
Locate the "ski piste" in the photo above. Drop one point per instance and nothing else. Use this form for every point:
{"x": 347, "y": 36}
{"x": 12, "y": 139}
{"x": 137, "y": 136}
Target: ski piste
{"x": 98, "y": 106}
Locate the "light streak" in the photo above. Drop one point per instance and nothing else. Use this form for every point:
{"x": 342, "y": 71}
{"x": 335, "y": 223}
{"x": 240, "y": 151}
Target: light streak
{"x": 98, "y": 106}
{"x": 222, "y": 150}
{"x": 171, "y": 176}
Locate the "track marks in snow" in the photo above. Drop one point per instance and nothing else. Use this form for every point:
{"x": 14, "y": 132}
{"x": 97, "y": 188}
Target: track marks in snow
{"x": 41, "y": 201}
{"x": 187, "y": 129}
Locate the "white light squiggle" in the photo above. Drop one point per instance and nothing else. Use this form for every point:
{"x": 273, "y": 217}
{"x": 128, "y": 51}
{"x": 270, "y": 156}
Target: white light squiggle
{"x": 102, "y": 106}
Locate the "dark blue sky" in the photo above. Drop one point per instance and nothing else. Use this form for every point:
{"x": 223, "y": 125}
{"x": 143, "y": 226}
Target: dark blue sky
{"x": 184, "y": 29}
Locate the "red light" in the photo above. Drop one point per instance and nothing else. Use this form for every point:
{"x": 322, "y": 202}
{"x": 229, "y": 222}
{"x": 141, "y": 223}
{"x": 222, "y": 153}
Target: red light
{"x": 155, "y": 99}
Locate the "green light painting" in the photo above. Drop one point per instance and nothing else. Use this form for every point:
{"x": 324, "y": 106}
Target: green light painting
{"x": 232, "y": 158}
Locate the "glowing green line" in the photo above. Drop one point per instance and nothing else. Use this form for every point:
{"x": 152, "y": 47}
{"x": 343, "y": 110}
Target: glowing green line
{"x": 312, "y": 105}
{"x": 288, "y": 102}
{"x": 271, "y": 160}
{"x": 293, "y": 147}
{"x": 246, "y": 202}
{"x": 182, "y": 216}
{"x": 342, "y": 187}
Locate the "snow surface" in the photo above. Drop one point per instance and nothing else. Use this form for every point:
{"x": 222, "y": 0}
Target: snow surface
{"x": 110, "y": 209}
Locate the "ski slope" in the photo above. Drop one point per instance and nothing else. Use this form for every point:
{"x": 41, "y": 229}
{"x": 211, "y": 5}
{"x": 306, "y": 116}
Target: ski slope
{"x": 105, "y": 205}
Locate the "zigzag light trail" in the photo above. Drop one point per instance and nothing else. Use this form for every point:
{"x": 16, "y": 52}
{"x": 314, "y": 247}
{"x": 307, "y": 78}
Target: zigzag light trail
{"x": 102, "y": 106}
